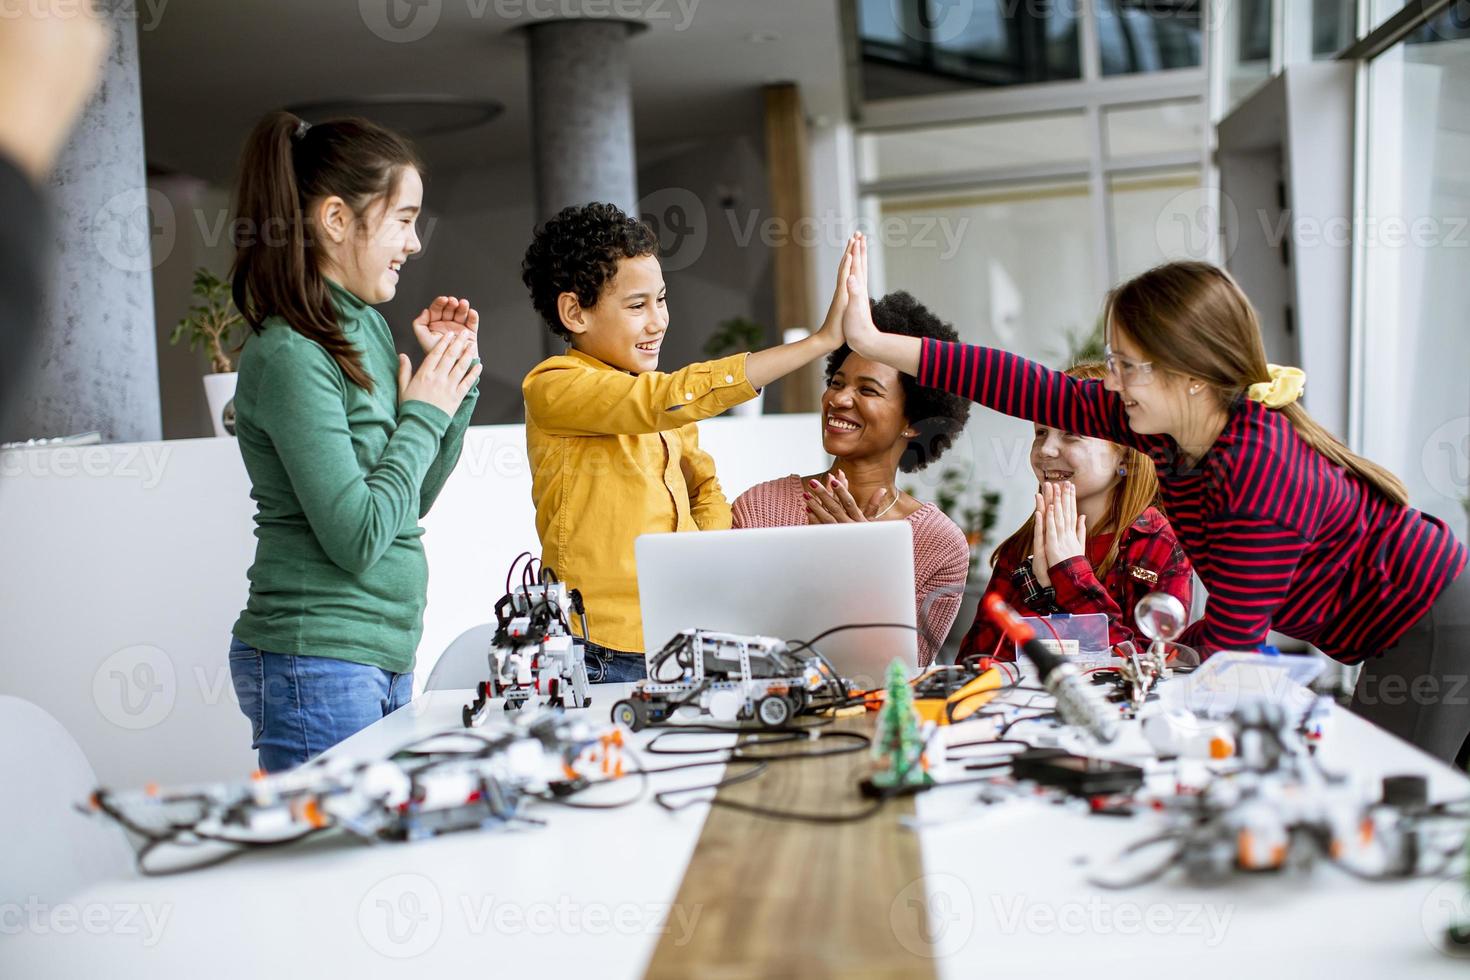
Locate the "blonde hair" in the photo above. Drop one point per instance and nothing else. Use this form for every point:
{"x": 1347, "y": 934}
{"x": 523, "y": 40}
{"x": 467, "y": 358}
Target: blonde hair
{"x": 1193, "y": 319}
{"x": 1135, "y": 493}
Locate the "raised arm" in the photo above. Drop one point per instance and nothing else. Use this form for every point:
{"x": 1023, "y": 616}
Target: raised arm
{"x": 998, "y": 380}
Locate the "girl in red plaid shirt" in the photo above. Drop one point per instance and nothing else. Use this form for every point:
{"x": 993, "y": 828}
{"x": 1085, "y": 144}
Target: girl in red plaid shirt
{"x": 1069, "y": 556}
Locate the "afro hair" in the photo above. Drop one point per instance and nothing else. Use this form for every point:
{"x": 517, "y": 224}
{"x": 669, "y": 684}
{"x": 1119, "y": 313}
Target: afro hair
{"x": 578, "y": 252}
{"x": 937, "y": 416}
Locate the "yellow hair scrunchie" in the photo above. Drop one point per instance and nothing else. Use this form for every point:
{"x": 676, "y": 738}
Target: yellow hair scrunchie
{"x": 1285, "y": 386}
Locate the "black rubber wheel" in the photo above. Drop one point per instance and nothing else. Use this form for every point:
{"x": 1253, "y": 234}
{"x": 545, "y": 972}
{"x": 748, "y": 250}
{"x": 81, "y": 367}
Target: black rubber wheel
{"x": 773, "y": 710}
{"x": 628, "y": 714}
{"x": 468, "y": 716}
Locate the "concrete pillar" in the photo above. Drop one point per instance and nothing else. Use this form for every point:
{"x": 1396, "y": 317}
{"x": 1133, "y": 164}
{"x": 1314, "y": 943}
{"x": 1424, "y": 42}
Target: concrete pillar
{"x": 582, "y": 114}
{"x": 96, "y": 363}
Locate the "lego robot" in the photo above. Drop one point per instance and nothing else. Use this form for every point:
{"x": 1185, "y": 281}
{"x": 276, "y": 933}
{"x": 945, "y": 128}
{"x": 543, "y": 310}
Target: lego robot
{"x": 730, "y": 678}
{"x": 534, "y": 652}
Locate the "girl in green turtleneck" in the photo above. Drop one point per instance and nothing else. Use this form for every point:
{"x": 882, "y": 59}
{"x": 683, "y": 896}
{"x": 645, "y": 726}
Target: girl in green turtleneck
{"x": 345, "y": 446}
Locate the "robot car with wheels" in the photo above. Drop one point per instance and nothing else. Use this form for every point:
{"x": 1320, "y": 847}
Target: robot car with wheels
{"x": 725, "y": 677}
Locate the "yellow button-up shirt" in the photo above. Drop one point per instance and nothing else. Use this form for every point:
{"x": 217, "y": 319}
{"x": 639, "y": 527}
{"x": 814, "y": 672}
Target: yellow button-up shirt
{"x": 615, "y": 455}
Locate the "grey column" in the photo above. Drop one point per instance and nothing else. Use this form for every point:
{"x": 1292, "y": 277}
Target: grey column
{"x": 582, "y": 114}
{"x": 96, "y": 359}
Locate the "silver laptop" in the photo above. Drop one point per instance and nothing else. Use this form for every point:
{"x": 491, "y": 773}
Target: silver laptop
{"x": 788, "y": 582}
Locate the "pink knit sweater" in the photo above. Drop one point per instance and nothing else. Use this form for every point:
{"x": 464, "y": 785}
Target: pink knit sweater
{"x": 941, "y": 555}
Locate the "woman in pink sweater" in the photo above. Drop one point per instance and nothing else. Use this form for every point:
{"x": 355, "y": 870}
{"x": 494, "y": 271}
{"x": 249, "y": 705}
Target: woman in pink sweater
{"x": 876, "y": 422}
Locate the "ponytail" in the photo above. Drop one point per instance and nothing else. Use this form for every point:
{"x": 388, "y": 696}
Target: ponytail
{"x": 1378, "y": 478}
{"x": 286, "y": 167}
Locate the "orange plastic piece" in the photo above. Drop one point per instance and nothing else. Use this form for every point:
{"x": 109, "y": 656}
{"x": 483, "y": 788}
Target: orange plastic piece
{"x": 151, "y": 789}
{"x": 1221, "y": 748}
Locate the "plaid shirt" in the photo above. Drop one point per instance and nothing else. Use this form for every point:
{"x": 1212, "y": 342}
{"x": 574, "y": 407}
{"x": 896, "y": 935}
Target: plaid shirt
{"x": 1149, "y": 560}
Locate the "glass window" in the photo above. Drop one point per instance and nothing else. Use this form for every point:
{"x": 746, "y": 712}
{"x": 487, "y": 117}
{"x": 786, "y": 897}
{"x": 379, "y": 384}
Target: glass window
{"x": 1158, "y": 127}
{"x": 1145, "y": 35}
{"x": 1156, "y": 219}
{"x": 997, "y": 144}
{"x": 1415, "y": 397}
{"x": 1248, "y": 47}
{"x": 922, "y": 47}
{"x": 1332, "y": 26}
{"x": 1010, "y": 268}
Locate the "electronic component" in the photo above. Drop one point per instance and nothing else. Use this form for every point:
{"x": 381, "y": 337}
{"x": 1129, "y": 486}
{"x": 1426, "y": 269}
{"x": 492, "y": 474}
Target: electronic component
{"x": 1076, "y": 774}
{"x": 533, "y": 651}
{"x": 456, "y": 780}
{"x": 899, "y": 745}
{"x": 731, "y": 678}
{"x": 1077, "y": 704}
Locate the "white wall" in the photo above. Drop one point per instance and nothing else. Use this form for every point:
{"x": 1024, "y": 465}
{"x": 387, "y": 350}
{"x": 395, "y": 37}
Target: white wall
{"x": 125, "y": 569}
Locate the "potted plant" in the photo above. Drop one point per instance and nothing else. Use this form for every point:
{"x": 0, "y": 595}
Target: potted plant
{"x": 731, "y": 337}
{"x": 212, "y": 325}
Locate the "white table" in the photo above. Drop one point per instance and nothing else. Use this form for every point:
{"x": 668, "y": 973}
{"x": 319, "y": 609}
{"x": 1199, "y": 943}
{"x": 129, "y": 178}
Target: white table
{"x": 589, "y": 895}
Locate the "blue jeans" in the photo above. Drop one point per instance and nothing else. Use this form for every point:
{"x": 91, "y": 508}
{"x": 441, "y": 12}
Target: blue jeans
{"x": 301, "y": 706}
{"x": 606, "y": 666}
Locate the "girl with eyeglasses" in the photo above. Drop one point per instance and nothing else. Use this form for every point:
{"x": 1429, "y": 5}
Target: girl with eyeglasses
{"x": 1287, "y": 528}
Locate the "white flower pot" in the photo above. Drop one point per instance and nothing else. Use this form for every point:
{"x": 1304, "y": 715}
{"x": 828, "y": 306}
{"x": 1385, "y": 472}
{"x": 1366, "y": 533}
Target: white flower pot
{"x": 219, "y": 390}
{"x": 754, "y": 407}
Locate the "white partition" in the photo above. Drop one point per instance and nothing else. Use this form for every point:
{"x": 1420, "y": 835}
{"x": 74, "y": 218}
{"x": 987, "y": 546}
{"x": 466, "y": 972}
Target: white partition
{"x": 124, "y": 569}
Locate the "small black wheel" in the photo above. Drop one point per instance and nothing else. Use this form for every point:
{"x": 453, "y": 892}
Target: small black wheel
{"x": 629, "y": 715}
{"x": 468, "y": 716}
{"x": 773, "y": 710}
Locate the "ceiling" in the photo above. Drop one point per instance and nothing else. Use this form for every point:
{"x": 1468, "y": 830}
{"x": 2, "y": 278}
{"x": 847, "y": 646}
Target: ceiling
{"x": 210, "y": 68}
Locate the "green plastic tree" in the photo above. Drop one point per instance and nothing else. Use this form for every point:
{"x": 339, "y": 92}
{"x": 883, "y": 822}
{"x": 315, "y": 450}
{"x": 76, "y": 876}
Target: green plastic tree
{"x": 898, "y": 747}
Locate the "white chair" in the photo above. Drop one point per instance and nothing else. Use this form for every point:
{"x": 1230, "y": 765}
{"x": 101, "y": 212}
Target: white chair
{"x": 464, "y": 663}
{"x": 51, "y": 849}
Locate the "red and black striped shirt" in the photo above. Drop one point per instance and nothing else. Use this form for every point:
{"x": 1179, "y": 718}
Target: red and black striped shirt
{"x": 1282, "y": 538}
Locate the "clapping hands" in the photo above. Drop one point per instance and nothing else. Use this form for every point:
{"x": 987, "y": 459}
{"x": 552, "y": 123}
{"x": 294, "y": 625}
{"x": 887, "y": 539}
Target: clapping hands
{"x": 1058, "y": 531}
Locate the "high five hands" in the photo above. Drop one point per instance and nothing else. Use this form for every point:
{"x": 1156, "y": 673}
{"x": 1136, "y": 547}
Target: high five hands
{"x": 1058, "y": 531}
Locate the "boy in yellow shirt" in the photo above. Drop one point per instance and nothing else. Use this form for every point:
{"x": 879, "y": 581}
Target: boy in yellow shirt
{"x": 612, "y": 441}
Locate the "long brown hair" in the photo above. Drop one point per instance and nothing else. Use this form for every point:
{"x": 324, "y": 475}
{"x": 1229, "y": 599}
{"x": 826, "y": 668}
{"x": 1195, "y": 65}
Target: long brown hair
{"x": 1136, "y": 492}
{"x": 1192, "y": 318}
{"x": 285, "y": 168}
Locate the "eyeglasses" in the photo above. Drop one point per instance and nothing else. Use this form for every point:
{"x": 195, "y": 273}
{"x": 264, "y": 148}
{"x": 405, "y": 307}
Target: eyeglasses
{"x": 1126, "y": 371}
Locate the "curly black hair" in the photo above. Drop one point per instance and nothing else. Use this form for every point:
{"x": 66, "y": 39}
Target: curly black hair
{"x": 578, "y": 252}
{"x": 937, "y": 416}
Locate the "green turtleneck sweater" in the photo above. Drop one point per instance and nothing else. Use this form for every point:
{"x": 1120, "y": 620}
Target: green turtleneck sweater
{"x": 340, "y": 477}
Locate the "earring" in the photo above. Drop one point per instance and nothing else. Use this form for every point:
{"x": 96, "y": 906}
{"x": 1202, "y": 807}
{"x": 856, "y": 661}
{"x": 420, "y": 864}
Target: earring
{"x": 1122, "y": 469}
